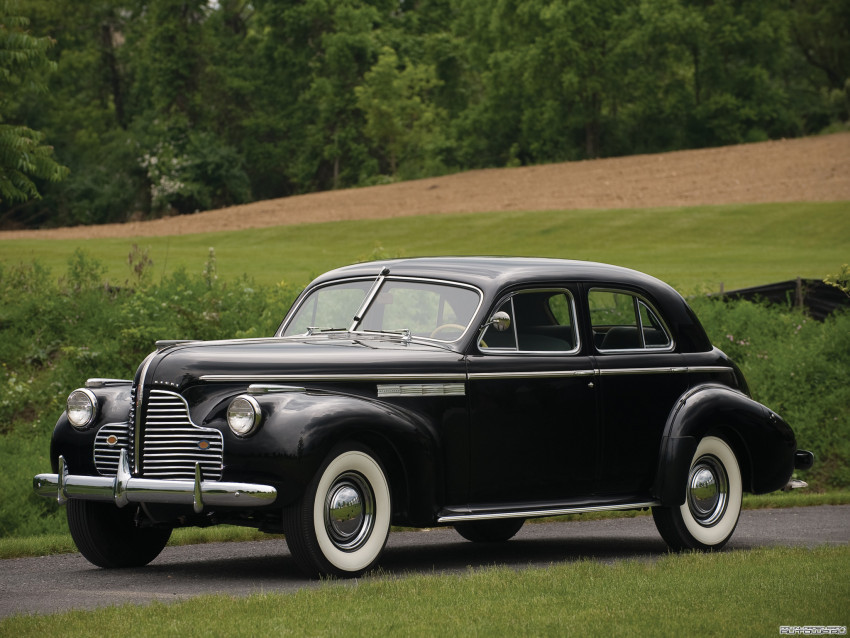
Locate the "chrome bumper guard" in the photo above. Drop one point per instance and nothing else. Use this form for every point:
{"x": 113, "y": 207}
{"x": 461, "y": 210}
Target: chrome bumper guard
{"x": 123, "y": 489}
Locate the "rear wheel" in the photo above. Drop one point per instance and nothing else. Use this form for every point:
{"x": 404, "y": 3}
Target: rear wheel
{"x": 490, "y": 531}
{"x": 340, "y": 525}
{"x": 112, "y": 537}
{"x": 712, "y": 504}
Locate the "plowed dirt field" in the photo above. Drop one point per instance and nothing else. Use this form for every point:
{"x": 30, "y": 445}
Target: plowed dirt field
{"x": 806, "y": 169}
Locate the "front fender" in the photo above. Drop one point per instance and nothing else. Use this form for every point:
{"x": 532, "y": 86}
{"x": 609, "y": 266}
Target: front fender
{"x": 300, "y": 428}
{"x": 77, "y": 446}
{"x": 763, "y": 442}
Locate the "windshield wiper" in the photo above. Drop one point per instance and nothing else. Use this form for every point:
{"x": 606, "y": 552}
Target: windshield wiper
{"x": 358, "y": 317}
{"x": 311, "y": 330}
{"x": 404, "y": 333}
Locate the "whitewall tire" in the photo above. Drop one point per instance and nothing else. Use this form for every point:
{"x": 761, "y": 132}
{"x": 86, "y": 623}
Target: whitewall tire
{"x": 713, "y": 493}
{"x": 342, "y": 522}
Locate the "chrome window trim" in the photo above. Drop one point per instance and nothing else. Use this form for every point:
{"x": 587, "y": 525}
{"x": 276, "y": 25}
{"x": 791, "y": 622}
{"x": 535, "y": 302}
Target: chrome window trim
{"x": 639, "y": 297}
{"x": 368, "y": 302}
{"x": 516, "y": 351}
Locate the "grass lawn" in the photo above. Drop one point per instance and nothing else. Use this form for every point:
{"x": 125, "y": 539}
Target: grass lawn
{"x": 694, "y": 248}
{"x": 738, "y": 593}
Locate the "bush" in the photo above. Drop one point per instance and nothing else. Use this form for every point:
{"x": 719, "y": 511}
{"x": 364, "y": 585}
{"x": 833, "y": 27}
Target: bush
{"x": 57, "y": 332}
{"x": 798, "y": 367}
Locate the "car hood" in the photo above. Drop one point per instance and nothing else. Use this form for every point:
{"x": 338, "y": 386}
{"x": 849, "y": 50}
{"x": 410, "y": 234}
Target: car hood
{"x": 311, "y": 360}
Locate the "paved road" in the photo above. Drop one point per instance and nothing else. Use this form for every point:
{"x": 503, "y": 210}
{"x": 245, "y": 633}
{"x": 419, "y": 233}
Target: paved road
{"x": 57, "y": 583}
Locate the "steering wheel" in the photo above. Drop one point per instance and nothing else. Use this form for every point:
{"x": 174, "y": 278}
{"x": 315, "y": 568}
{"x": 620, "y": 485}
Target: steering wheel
{"x": 446, "y": 327}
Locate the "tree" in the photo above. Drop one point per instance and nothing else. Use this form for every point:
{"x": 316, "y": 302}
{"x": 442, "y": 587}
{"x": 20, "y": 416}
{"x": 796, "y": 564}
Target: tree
{"x": 24, "y": 65}
{"x": 400, "y": 118}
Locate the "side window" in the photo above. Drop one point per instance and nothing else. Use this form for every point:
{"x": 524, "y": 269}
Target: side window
{"x": 541, "y": 321}
{"x": 623, "y": 321}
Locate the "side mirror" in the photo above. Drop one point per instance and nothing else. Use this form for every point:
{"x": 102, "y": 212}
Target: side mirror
{"x": 501, "y": 321}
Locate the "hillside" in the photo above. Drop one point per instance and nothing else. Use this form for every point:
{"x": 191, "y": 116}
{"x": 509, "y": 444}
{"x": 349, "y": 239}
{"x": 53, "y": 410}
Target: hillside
{"x": 807, "y": 169}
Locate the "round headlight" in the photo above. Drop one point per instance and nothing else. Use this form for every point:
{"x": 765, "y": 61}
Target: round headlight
{"x": 82, "y": 408}
{"x": 243, "y": 415}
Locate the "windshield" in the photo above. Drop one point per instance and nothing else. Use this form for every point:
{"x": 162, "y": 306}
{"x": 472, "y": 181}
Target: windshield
{"x": 433, "y": 310}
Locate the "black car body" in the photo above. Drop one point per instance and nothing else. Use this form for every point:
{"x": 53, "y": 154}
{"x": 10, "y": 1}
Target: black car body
{"x": 474, "y": 392}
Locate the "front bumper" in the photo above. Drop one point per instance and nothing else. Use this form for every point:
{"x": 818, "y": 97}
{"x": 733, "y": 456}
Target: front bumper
{"x": 124, "y": 488}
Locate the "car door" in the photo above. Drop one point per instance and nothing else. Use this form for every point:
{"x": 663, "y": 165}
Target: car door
{"x": 641, "y": 376}
{"x": 533, "y": 434}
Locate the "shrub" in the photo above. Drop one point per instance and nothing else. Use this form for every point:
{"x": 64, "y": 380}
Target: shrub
{"x": 798, "y": 367}
{"x": 57, "y": 332}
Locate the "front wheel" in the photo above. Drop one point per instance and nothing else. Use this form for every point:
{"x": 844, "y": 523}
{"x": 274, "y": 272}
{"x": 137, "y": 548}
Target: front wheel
{"x": 712, "y": 504}
{"x": 340, "y": 525}
{"x": 112, "y": 537}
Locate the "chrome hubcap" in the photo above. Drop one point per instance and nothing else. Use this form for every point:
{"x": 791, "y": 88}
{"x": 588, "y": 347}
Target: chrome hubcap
{"x": 708, "y": 491}
{"x": 349, "y": 511}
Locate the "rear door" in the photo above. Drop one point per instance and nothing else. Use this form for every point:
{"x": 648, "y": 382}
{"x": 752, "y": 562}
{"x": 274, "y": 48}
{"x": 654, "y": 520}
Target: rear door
{"x": 641, "y": 376}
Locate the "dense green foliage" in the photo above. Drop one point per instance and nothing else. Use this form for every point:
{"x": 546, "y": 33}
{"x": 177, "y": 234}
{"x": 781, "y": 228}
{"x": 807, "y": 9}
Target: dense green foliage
{"x": 57, "y": 331}
{"x": 797, "y": 366}
{"x": 165, "y": 106}
{"x": 716, "y": 594}
{"x": 24, "y": 65}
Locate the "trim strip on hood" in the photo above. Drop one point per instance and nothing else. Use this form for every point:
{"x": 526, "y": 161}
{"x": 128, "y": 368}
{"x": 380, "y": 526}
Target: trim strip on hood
{"x": 264, "y": 378}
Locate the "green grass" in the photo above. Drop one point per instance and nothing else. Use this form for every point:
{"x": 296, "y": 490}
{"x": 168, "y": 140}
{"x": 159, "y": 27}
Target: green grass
{"x": 748, "y": 593}
{"x": 46, "y": 544}
{"x": 691, "y": 248}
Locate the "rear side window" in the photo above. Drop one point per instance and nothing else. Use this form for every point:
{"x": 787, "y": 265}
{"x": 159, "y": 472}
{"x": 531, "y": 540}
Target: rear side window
{"x": 623, "y": 321}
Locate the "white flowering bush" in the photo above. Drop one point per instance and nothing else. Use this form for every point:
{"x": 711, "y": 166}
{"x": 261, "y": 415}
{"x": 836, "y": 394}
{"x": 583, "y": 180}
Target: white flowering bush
{"x": 194, "y": 172}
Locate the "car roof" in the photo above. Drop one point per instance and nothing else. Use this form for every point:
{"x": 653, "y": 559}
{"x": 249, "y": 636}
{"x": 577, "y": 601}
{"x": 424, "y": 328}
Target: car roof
{"x": 495, "y": 274}
{"x": 489, "y": 272}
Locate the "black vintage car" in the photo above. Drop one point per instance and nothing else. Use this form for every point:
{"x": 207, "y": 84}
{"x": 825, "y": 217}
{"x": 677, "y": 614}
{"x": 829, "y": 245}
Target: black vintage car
{"x": 473, "y": 392}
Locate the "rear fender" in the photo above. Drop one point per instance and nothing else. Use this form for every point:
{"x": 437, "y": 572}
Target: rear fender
{"x": 763, "y": 443}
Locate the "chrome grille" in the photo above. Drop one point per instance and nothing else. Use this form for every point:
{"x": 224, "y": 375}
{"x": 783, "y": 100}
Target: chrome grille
{"x": 172, "y": 444}
{"x": 110, "y": 440}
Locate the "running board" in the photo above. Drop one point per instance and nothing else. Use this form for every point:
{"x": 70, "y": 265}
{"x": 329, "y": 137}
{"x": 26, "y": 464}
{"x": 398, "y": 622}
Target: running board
{"x": 455, "y": 515}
